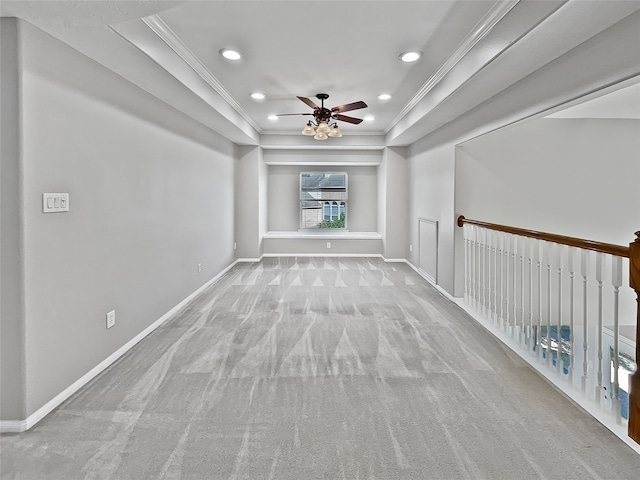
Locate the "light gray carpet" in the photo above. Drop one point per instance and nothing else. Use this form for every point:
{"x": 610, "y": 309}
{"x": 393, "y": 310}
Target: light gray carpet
{"x": 318, "y": 369}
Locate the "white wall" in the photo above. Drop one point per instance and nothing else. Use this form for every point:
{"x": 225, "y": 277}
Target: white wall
{"x": 393, "y": 202}
{"x": 579, "y": 177}
{"x": 251, "y": 202}
{"x": 432, "y": 159}
{"x": 284, "y": 195}
{"x": 11, "y": 300}
{"x": 431, "y": 196}
{"x": 151, "y": 196}
{"x": 576, "y": 177}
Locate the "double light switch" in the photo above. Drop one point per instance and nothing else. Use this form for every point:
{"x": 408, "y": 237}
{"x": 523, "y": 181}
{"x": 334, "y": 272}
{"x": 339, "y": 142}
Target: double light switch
{"x": 55, "y": 202}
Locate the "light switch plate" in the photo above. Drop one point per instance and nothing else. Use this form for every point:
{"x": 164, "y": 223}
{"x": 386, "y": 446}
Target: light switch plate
{"x": 111, "y": 318}
{"x": 55, "y": 202}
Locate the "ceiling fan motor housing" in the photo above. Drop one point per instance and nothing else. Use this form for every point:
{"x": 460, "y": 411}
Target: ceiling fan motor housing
{"x": 322, "y": 114}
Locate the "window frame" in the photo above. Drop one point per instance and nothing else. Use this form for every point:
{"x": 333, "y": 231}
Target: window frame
{"x": 323, "y": 201}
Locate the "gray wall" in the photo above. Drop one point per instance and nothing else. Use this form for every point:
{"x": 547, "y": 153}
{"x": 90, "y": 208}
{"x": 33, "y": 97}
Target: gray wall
{"x": 250, "y": 201}
{"x": 284, "y": 194}
{"x": 11, "y": 311}
{"x": 577, "y": 177}
{"x": 393, "y": 202}
{"x": 432, "y": 159}
{"x": 431, "y": 196}
{"x": 151, "y": 196}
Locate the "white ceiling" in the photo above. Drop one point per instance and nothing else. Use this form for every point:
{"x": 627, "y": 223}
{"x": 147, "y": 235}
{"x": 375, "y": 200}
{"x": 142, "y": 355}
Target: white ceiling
{"x": 349, "y": 49}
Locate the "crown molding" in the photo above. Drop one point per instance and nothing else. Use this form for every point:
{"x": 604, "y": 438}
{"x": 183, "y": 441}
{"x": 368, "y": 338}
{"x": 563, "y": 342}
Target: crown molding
{"x": 175, "y": 43}
{"x": 498, "y": 11}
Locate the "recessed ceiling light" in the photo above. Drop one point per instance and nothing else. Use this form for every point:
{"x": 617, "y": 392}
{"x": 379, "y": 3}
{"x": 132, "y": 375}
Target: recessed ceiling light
{"x": 369, "y": 118}
{"x": 272, "y": 117}
{"x": 384, "y": 96}
{"x": 230, "y": 54}
{"x": 258, "y": 96}
{"x": 409, "y": 57}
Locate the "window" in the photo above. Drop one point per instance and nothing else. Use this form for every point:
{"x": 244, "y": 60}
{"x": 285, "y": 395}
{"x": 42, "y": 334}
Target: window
{"x": 323, "y": 200}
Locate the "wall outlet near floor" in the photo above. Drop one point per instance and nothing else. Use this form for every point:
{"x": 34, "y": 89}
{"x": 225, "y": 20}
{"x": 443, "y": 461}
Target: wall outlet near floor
{"x": 199, "y": 267}
{"x": 111, "y": 318}
{"x": 234, "y": 245}
{"x": 410, "y": 247}
{"x": 328, "y": 244}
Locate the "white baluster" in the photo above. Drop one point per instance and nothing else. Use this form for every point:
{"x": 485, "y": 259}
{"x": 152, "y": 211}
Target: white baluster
{"x": 616, "y": 280}
{"x": 465, "y": 236}
{"x": 570, "y": 266}
{"x": 477, "y": 268}
{"x": 473, "y": 265}
{"x": 540, "y": 246}
{"x": 523, "y": 248}
{"x": 547, "y": 261}
{"x": 507, "y": 276}
{"x": 584, "y": 271}
{"x": 496, "y": 240}
{"x": 559, "y": 260}
{"x": 532, "y": 250}
{"x": 599, "y": 266}
{"x": 514, "y": 258}
{"x": 488, "y": 273}
{"x": 501, "y": 275}
{"x": 483, "y": 271}
{"x": 490, "y": 236}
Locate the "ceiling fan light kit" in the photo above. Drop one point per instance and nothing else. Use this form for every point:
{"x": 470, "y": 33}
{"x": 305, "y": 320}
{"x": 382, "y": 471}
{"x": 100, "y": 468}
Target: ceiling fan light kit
{"x": 323, "y": 116}
{"x": 334, "y": 132}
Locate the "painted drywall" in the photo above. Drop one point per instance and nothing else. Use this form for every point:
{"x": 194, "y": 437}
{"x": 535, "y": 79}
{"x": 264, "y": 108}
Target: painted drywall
{"x": 576, "y": 177}
{"x": 151, "y": 196}
{"x": 433, "y": 157}
{"x": 263, "y": 201}
{"x": 250, "y": 198}
{"x": 284, "y": 196}
{"x": 308, "y": 246}
{"x": 11, "y": 312}
{"x": 431, "y": 196}
{"x": 393, "y": 202}
{"x": 321, "y": 156}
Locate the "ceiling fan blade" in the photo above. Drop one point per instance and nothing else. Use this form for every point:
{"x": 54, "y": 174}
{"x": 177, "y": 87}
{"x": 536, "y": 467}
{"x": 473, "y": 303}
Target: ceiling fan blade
{"x": 286, "y": 114}
{"x": 345, "y": 118}
{"x": 348, "y": 107}
{"x": 309, "y": 102}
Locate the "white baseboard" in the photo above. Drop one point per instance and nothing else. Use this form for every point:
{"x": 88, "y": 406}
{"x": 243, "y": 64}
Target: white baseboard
{"x": 17, "y": 426}
{"x": 353, "y": 255}
{"x": 428, "y": 278}
{"x": 248, "y": 260}
{"x": 13, "y": 426}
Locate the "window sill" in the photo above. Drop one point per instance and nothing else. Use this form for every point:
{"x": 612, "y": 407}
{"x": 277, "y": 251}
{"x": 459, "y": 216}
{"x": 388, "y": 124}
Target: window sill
{"x": 340, "y": 235}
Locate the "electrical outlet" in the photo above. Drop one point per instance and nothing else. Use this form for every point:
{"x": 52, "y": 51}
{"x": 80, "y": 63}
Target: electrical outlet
{"x": 234, "y": 245}
{"x": 410, "y": 248}
{"x": 328, "y": 244}
{"x": 111, "y": 318}
{"x": 199, "y": 267}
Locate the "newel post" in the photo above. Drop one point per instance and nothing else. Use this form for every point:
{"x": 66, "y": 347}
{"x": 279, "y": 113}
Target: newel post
{"x": 634, "y": 397}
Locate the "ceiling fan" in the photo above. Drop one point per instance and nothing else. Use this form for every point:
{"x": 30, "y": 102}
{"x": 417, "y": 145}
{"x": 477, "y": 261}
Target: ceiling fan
{"x": 324, "y": 115}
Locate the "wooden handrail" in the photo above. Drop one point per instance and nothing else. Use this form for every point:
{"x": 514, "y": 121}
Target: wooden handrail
{"x": 633, "y": 253}
{"x": 619, "y": 250}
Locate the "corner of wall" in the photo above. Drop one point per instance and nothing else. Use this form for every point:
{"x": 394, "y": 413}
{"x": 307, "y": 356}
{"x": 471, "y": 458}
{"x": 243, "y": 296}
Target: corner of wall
{"x": 12, "y": 347}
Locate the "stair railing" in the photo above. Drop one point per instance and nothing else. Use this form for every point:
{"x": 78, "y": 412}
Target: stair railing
{"x": 523, "y": 283}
